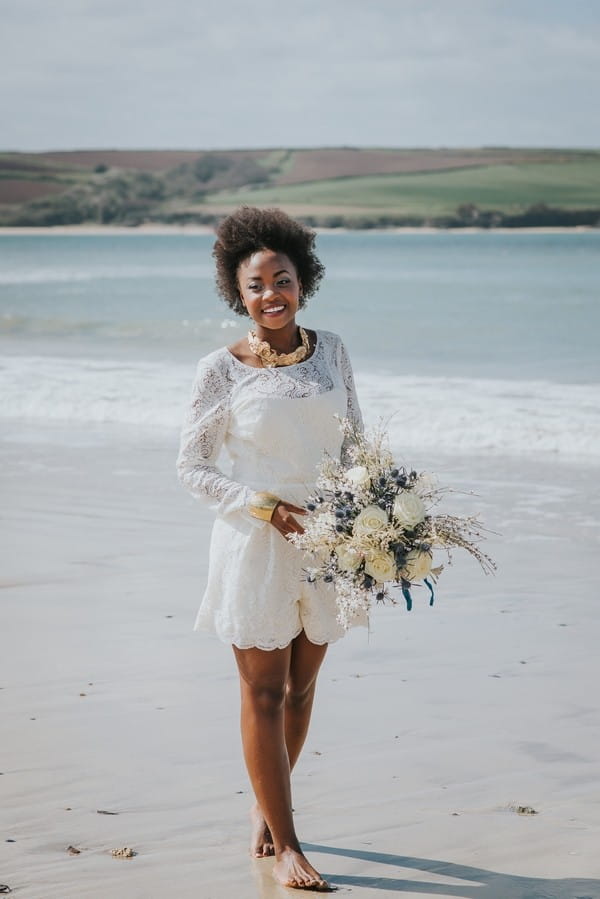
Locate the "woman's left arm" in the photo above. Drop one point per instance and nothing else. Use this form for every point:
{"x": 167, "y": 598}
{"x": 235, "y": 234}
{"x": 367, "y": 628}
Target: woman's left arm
{"x": 353, "y": 413}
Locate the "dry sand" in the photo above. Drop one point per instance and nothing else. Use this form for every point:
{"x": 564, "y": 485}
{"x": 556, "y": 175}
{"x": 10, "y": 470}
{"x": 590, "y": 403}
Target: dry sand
{"x": 161, "y": 229}
{"x": 427, "y": 733}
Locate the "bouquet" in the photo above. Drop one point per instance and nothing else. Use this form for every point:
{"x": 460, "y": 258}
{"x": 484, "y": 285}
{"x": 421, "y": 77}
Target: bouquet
{"x": 373, "y": 527}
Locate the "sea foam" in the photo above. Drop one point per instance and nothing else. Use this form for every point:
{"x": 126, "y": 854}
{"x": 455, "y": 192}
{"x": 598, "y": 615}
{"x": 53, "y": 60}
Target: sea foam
{"x": 55, "y": 274}
{"x": 477, "y": 415}
{"x": 421, "y": 413}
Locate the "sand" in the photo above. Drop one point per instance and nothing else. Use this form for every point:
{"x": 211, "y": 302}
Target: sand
{"x": 428, "y": 732}
{"x": 158, "y": 228}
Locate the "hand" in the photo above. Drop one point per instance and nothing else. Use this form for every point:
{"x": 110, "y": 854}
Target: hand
{"x": 283, "y": 519}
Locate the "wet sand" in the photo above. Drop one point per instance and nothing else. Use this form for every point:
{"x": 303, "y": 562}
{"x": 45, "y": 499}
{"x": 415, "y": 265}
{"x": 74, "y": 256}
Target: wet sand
{"x": 428, "y": 734}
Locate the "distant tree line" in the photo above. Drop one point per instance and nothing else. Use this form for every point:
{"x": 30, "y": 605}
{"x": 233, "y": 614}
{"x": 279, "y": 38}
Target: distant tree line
{"x": 468, "y": 216}
{"x": 113, "y": 197}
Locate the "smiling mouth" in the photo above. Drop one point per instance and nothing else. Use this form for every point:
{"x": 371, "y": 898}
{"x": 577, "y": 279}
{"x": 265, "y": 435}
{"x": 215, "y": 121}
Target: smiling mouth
{"x": 273, "y": 310}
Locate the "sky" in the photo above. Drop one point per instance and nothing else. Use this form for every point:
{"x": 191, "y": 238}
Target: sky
{"x": 194, "y": 74}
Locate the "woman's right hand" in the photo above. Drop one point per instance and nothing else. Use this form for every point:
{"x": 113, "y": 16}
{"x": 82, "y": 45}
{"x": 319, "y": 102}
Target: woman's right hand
{"x": 283, "y": 519}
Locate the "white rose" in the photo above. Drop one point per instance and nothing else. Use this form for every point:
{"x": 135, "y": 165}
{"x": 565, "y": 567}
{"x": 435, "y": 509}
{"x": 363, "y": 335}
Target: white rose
{"x": 348, "y": 558}
{"x": 409, "y": 510}
{"x": 358, "y": 476}
{"x": 370, "y": 520}
{"x": 417, "y": 565}
{"x": 381, "y": 566}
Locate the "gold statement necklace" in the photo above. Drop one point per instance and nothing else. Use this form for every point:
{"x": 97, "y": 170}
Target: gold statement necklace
{"x": 270, "y": 358}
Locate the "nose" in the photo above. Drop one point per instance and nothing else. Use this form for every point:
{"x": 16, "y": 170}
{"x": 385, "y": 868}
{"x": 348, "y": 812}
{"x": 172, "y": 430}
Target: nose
{"x": 268, "y": 292}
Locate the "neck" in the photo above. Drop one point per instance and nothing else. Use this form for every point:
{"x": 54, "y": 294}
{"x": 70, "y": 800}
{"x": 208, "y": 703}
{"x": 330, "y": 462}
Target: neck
{"x": 282, "y": 340}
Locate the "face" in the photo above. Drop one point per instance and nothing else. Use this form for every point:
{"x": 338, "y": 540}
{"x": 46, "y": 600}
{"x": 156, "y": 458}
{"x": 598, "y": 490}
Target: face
{"x": 269, "y": 288}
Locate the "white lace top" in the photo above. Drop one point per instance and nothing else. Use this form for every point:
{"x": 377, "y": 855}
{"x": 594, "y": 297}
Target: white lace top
{"x": 225, "y": 412}
{"x": 274, "y": 425}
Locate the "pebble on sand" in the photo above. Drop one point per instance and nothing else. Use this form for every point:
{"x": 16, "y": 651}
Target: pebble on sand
{"x": 125, "y": 852}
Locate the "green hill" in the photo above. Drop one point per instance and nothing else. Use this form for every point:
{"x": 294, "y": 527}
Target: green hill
{"x": 324, "y": 186}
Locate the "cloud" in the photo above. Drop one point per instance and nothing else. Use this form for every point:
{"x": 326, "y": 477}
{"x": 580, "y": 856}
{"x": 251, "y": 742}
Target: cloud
{"x": 106, "y": 73}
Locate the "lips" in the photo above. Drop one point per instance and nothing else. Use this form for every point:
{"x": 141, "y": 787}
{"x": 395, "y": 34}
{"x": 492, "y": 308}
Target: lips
{"x": 274, "y": 310}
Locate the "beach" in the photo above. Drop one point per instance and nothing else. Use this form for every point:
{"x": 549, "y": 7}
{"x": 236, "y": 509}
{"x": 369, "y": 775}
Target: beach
{"x": 159, "y": 228}
{"x": 429, "y": 733}
{"x": 437, "y": 733}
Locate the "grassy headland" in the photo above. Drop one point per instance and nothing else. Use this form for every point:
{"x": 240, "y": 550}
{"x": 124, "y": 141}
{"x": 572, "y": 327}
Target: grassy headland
{"x": 356, "y": 188}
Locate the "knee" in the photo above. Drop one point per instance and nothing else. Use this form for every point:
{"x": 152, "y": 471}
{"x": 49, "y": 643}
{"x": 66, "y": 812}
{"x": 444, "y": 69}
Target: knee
{"x": 266, "y": 699}
{"x": 298, "y": 697}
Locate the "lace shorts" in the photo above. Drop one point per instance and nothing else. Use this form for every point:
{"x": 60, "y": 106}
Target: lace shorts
{"x": 257, "y": 594}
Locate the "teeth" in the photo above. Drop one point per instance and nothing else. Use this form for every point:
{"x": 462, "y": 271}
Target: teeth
{"x": 273, "y": 309}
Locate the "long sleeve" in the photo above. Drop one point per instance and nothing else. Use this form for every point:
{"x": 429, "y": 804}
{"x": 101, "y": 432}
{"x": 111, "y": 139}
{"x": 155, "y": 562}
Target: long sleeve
{"x": 202, "y": 437}
{"x": 353, "y": 413}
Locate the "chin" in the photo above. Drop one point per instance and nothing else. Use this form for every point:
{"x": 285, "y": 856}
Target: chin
{"x": 276, "y": 324}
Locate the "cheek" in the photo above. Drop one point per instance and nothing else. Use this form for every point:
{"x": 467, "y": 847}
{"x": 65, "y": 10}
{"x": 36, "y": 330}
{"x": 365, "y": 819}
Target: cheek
{"x": 245, "y": 299}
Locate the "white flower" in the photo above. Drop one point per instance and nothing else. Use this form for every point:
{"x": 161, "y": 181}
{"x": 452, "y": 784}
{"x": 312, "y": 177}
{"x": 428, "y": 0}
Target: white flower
{"x": 417, "y": 565}
{"x": 358, "y": 476}
{"x": 370, "y": 520}
{"x": 319, "y": 535}
{"x": 324, "y": 522}
{"x": 409, "y": 510}
{"x": 348, "y": 558}
{"x": 381, "y": 566}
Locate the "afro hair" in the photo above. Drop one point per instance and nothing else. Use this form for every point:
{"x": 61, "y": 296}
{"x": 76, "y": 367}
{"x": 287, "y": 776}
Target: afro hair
{"x": 249, "y": 230}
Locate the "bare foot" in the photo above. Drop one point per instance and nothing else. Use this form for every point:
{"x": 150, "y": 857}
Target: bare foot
{"x": 261, "y": 841}
{"x": 293, "y": 870}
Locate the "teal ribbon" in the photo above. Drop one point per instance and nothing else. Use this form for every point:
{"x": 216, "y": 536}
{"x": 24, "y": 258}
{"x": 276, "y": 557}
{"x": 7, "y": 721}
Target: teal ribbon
{"x": 430, "y": 585}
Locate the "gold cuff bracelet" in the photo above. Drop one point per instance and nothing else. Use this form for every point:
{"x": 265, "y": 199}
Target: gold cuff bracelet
{"x": 262, "y": 505}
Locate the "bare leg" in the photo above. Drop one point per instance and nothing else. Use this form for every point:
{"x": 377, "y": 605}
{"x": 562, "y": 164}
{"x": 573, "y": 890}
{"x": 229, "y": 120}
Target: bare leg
{"x": 300, "y": 693}
{"x": 299, "y": 696}
{"x": 267, "y": 680}
{"x": 261, "y": 839}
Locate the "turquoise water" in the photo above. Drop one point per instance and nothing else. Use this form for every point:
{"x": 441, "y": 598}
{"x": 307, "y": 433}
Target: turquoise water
{"x": 505, "y": 305}
{"x": 490, "y": 332}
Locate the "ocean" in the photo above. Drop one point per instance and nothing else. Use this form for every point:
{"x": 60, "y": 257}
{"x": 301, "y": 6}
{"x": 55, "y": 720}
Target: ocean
{"x": 462, "y": 342}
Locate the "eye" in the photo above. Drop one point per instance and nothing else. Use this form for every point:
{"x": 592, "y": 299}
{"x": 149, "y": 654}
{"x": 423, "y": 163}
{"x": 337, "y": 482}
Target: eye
{"x": 284, "y": 281}
{"x": 254, "y": 287}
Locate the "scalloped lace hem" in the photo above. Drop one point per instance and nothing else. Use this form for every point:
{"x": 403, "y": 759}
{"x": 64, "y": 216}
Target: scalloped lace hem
{"x": 239, "y": 643}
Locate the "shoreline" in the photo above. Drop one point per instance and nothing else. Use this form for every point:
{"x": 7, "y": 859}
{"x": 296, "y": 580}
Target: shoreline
{"x": 192, "y": 230}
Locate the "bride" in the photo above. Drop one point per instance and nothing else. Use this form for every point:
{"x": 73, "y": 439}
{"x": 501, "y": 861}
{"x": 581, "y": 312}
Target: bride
{"x": 269, "y": 401}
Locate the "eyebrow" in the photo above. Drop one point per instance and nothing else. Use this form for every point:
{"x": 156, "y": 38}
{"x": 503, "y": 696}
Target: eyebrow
{"x": 275, "y": 275}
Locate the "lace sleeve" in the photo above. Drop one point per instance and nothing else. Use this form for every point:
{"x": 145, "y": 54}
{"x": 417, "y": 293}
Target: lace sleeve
{"x": 202, "y": 437}
{"x": 353, "y": 412}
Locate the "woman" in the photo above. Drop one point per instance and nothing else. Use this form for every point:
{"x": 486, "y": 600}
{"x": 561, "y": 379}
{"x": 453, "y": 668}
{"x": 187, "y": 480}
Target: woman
{"x": 271, "y": 401}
